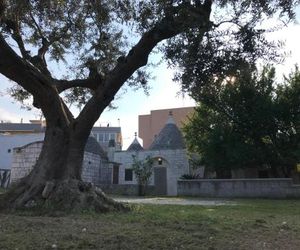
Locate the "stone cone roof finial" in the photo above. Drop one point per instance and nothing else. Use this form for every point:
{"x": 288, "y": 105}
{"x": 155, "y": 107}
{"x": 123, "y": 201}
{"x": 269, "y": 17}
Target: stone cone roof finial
{"x": 169, "y": 137}
{"x": 170, "y": 118}
{"x": 135, "y": 145}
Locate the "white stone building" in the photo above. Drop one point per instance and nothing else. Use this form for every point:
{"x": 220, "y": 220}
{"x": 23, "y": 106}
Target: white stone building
{"x": 170, "y": 160}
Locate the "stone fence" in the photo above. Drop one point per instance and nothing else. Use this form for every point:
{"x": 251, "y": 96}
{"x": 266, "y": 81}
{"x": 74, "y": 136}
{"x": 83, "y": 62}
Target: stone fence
{"x": 240, "y": 188}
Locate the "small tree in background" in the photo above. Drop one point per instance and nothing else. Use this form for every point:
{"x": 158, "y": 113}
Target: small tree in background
{"x": 143, "y": 170}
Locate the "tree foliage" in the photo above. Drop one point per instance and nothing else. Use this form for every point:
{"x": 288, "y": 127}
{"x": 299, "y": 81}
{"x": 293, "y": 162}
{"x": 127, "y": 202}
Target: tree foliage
{"x": 142, "y": 169}
{"x": 88, "y": 38}
{"x": 248, "y": 122}
{"x": 234, "y": 39}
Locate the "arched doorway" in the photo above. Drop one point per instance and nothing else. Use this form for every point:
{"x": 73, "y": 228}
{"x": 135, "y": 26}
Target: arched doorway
{"x": 160, "y": 176}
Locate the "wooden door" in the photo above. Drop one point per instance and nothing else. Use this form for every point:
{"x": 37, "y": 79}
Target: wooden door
{"x": 116, "y": 174}
{"x": 160, "y": 180}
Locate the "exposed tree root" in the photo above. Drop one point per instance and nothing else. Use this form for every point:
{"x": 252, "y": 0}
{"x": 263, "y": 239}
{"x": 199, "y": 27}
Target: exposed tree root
{"x": 64, "y": 196}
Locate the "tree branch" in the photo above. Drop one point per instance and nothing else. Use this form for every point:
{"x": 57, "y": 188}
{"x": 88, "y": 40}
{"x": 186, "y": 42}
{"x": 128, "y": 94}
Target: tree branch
{"x": 19, "y": 70}
{"x": 90, "y": 83}
{"x": 32, "y": 80}
{"x": 36, "y": 25}
{"x": 189, "y": 17}
{"x": 2, "y": 8}
{"x": 39, "y": 60}
{"x": 13, "y": 27}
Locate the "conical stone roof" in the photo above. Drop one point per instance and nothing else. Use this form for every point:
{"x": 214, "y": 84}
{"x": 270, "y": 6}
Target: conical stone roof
{"x": 92, "y": 146}
{"x": 169, "y": 137}
{"x": 135, "y": 145}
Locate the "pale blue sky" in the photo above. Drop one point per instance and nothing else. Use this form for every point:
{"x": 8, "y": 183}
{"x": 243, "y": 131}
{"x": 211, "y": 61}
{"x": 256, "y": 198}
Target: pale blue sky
{"x": 163, "y": 92}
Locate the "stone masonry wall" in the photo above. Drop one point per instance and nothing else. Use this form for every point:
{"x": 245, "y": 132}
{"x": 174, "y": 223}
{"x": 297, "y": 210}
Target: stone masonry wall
{"x": 243, "y": 188}
{"x": 91, "y": 168}
{"x": 24, "y": 158}
{"x": 106, "y": 173}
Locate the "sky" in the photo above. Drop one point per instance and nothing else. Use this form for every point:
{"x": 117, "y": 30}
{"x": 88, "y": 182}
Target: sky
{"x": 162, "y": 95}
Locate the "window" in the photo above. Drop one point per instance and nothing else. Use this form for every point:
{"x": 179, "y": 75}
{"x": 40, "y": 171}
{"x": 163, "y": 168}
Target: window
{"x": 106, "y": 138}
{"x": 100, "y": 137}
{"x": 128, "y": 174}
{"x": 112, "y": 136}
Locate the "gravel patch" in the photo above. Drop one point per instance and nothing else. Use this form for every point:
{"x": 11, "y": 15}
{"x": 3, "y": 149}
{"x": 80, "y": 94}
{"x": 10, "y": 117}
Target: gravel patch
{"x": 173, "y": 201}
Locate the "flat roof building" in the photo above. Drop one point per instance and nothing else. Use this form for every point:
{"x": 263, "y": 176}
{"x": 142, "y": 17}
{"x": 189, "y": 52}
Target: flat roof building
{"x": 102, "y": 134}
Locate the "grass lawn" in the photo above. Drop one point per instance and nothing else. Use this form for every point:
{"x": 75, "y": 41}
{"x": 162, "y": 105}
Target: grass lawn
{"x": 251, "y": 224}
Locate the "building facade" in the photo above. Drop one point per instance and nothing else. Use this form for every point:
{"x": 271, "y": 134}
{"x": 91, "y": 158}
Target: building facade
{"x": 105, "y": 134}
{"x": 169, "y": 155}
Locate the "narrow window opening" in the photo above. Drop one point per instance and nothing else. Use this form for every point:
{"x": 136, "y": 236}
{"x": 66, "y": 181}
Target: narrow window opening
{"x": 128, "y": 174}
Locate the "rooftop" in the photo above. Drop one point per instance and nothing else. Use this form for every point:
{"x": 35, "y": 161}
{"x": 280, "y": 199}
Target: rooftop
{"x": 169, "y": 137}
{"x": 135, "y": 145}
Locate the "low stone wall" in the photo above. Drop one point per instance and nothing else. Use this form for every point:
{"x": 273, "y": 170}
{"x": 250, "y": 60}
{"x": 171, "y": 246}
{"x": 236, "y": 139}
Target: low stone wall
{"x": 125, "y": 189}
{"x": 24, "y": 158}
{"x": 240, "y": 188}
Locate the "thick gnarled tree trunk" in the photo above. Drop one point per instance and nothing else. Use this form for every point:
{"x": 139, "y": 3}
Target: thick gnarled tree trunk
{"x": 55, "y": 181}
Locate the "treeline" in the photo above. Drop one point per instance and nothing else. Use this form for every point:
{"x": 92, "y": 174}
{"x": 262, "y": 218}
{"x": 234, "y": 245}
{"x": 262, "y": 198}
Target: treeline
{"x": 248, "y": 121}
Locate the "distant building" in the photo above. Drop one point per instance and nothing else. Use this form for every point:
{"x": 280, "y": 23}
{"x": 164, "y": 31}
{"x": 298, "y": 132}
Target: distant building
{"x": 22, "y": 128}
{"x": 13, "y": 135}
{"x": 104, "y": 135}
{"x": 150, "y": 125}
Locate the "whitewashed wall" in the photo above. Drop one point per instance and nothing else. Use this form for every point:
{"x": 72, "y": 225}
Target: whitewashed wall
{"x": 175, "y": 161}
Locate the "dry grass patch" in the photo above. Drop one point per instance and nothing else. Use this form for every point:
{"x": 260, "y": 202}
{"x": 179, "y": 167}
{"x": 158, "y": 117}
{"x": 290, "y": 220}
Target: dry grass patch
{"x": 252, "y": 224}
